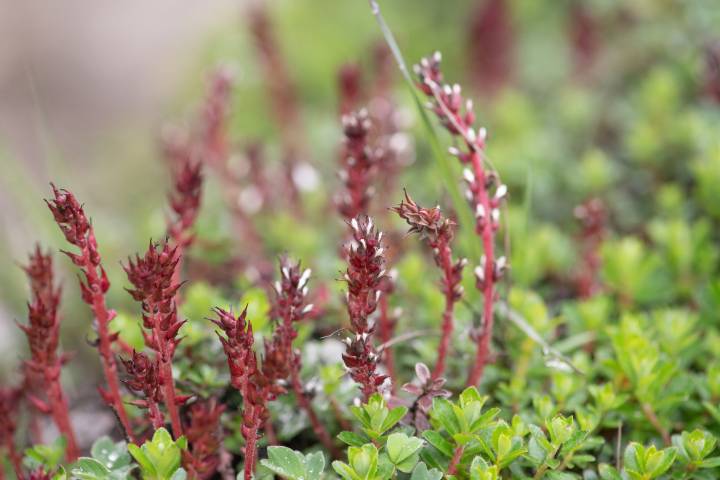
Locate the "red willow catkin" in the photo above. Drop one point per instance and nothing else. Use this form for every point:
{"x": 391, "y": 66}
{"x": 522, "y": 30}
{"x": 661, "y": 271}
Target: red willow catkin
{"x": 485, "y": 192}
{"x": 258, "y": 384}
{"x": 291, "y": 307}
{"x": 71, "y": 218}
{"x": 185, "y": 204}
{"x": 152, "y": 278}
{"x": 43, "y": 334}
{"x": 144, "y": 377}
{"x": 359, "y": 166}
{"x": 364, "y": 275}
{"x": 359, "y": 169}
{"x": 438, "y": 231}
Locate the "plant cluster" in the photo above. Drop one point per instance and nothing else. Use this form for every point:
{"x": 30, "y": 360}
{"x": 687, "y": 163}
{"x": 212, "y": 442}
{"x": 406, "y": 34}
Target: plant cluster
{"x": 597, "y": 356}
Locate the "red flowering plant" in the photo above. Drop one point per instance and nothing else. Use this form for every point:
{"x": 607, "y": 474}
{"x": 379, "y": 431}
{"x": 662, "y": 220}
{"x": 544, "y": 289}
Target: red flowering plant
{"x": 43, "y": 334}
{"x": 75, "y": 225}
{"x": 257, "y": 382}
{"x": 485, "y": 191}
{"x": 152, "y": 277}
{"x": 365, "y": 272}
{"x": 589, "y": 370}
{"x": 438, "y": 231}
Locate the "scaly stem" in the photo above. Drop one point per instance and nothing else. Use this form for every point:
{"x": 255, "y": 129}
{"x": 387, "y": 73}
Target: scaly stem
{"x": 386, "y": 330}
{"x": 60, "y": 412}
{"x": 445, "y": 260}
{"x": 156, "y": 416}
{"x": 102, "y": 319}
{"x": 455, "y": 460}
{"x": 486, "y": 231}
{"x": 169, "y": 393}
{"x": 250, "y": 453}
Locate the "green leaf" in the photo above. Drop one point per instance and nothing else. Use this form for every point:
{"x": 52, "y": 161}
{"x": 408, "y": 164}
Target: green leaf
{"x": 407, "y": 465}
{"x": 480, "y": 470}
{"x": 112, "y": 455}
{"x": 89, "y": 469}
{"x": 438, "y": 441}
{"x": 314, "y": 465}
{"x": 444, "y": 413}
{"x": 608, "y": 473}
{"x": 712, "y": 462}
{"x": 46, "y": 456}
{"x": 364, "y": 460}
{"x": 285, "y": 462}
{"x": 160, "y": 457}
{"x": 345, "y": 470}
{"x": 661, "y": 461}
{"x": 400, "y": 448}
{"x": 352, "y": 439}
{"x": 395, "y": 415}
{"x": 146, "y": 466}
{"x": 421, "y": 472}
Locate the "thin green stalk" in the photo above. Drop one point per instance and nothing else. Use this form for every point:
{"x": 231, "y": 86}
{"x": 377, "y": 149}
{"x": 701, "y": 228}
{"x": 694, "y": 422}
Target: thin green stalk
{"x": 468, "y": 240}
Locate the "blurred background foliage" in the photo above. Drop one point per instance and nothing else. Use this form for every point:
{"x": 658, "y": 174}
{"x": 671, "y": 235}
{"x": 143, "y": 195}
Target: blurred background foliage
{"x": 615, "y": 100}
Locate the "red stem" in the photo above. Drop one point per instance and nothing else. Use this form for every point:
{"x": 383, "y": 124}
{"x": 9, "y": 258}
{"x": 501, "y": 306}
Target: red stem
{"x": 386, "y": 329}
{"x": 317, "y": 426}
{"x": 457, "y": 455}
{"x": 103, "y": 317}
{"x": 156, "y": 416}
{"x": 486, "y": 230}
{"x": 60, "y": 411}
{"x": 169, "y": 390}
{"x": 15, "y": 459}
{"x": 445, "y": 258}
{"x": 250, "y": 453}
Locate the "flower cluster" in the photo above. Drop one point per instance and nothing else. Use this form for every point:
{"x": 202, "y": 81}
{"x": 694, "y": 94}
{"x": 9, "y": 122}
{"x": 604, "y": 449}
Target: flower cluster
{"x": 485, "y": 192}
{"x": 143, "y": 376}
{"x": 185, "y": 202}
{"x": 257, "y": 385}
{"x": 364, "y": 275}
{"x": 213, "y": 137}
{"x": 152, "y": 277}
{"x": 438, "y": 231}
{"x": 291, "y": 306}
{"x": 43, "y": 328}
{"x": 349, "y": 87}
{"x": 360, "y": 165}
{"x": 238, "y": 344}
{"x": 203, "y": 431}
{"x": 71, "y": 218}
{"x": 43, "y": 334}
{"x": 291, "y": 294}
